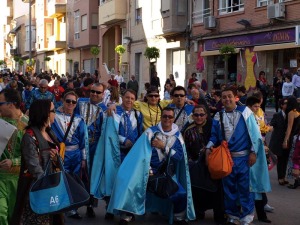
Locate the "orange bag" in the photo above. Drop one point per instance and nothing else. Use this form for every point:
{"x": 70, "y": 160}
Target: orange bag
{"x": 62, "y": 149}
{"x": 220, "y": 162}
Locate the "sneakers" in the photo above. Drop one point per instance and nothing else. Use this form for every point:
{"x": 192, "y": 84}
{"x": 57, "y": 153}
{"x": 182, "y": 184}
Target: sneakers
{"x": 90, "y": 212}
{"x": 268, "y": 208}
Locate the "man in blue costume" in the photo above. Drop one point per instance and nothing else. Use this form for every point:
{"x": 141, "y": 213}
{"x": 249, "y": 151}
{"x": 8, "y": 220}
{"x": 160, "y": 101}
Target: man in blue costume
{"x": 250, "y": 172}
{"x": 92, "y": 110}
{"x": 40, "y": 93}
{"x": 121, "y": 132}
{"x": 76, "y": 141}
{"x": 144, "y": 159}
{"x": 181, "y": 109}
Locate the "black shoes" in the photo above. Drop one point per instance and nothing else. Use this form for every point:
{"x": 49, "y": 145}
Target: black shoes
{"x": 109, "y": 216}
{"x": 295, "y": 185}
{"x": 265, "y": 220}
{"x": 123, "y": 222}
{"x": 90, "y": 212}
{"x": 181, "y": 222}
{"x": 75, "y": 216}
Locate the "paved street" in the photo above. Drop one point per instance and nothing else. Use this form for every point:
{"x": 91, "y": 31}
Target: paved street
{"x": 285, "y": 201}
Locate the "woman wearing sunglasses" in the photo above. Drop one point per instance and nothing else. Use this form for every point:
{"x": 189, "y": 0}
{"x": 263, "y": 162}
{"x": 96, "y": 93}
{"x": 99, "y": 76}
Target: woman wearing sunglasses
{"x": 207, "y": 194}
{"x": 76, "y": 140}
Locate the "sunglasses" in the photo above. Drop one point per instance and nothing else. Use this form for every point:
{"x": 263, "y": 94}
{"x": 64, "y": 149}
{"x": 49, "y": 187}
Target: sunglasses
{"x": 155, "y": 96}
{"x": 2, "y": 103}
{"x": 199, "y": 114}
{"x": 52, "y": 111}
{"x": 71, "y": 101}
{"x": 167, "y": 116}
{"x": 178, "y": 95}
{"x": 97, "y": 92}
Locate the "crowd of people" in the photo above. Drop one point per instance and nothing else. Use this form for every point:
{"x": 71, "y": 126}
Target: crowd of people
{"x": 117, "y": 142}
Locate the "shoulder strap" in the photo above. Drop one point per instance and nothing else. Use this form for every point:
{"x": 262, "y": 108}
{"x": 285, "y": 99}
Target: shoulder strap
{"x": 68, "y": 128}
{"x": 222, "y": 125}
{"x": 179, "y": 113}
{"x": 137, "y": 122}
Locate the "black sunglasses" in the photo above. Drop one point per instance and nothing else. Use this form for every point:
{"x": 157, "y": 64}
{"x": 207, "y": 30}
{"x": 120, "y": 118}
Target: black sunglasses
{"x": 199, "y": 114}
{"x": 178, "y": 95}
{"x": 151, "y": 96}
{"x": 167, "y": 116}
{"x": 71, "y": 101}
{"x": 97, "y": 92}
{"x": 2, "y": 103}
{"x": 52, "y": 111}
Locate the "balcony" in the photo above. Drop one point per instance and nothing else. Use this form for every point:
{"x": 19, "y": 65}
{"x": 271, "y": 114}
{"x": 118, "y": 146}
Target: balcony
{"x": 55, "y": 45}
{"x": 112, "y": 11}
{"x": 57, "y": 8}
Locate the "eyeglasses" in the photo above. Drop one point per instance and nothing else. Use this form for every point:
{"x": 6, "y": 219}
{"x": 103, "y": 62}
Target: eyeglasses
{"x": 97, "y": 92}
{"x": 52, "y": 111}
{"x": 199, "y": 114}
{"x": 2, "y": 103}
{"x": 167, "y": 116}
{"x": 151, "y": 96}
{"x": 178, "y": 95}
{"x": 71, "y": 101}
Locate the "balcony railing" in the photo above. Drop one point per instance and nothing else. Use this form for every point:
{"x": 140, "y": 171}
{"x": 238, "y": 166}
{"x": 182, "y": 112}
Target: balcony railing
{"x": 111, "y": 11}
{"x": 56, "y": 8}
{"x": 54, "y": 44}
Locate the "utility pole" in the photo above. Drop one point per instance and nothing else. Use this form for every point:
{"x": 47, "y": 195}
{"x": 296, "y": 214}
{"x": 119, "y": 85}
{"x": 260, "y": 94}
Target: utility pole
{"x": 30, "y": 33}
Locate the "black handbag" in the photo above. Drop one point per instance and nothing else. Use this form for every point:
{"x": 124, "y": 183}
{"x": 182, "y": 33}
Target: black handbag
{"x": 161, "y": 183}
{"x": 199, "y": 174}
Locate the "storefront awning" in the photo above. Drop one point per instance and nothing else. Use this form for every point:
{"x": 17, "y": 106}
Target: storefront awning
{"x": 216, "y": 52}
{"x": 275, "y": 47}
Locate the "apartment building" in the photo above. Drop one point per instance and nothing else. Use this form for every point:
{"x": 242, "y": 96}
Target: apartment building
{"x": 263, "y": 32}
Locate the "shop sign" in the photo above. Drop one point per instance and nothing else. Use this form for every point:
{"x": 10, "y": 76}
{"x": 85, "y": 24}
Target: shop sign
{"x": 297, "y": 30}
{"x": 264, "y": 38}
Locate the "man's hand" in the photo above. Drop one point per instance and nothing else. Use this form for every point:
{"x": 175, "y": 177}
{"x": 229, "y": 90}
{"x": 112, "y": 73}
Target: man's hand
{"x": 6, "y": 164}
{"x": 83, "y": 164}
{"x": 252, "y": 159}
{"x": 157, "y": 143}
{"x": 128, "y": 144}
{"x": 111, "y": 109}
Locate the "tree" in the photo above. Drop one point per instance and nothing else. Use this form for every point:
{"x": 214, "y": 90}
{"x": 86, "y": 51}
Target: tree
{"x": 120, "y": 50}
{"x": 151, "y": 53}
{"x": 95, "y": 50}
{"x": 226, "y": 51}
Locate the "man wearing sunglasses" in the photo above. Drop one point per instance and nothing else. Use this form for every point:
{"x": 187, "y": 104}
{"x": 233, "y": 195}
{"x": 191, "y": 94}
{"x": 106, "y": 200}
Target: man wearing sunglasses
{"x": 10, "y": 160}
{"x": 92, "y": 110}
{"x": 40, "y": 93}
{"x": 150, "y": 153}
{"x": 181, "y": 109}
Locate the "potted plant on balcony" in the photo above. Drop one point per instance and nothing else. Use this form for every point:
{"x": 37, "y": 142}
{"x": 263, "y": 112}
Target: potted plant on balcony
{"x": 47, "y": 58}
{"x": 95, "y": 50}
{"x": 151, "y": 53}
{"x": 226, "y": 51}
{"x": 120, "y": 49}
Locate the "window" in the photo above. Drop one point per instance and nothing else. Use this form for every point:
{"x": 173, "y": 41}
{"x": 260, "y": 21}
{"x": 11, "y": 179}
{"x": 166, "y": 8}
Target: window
{"x": 84, "y": 22}
{"x": 182, "y": 6}
{"x": 200, "y": 10}
{"x": 76, "y": 24}
{"x": 229, "y": 6}
{"x": 94, "y": 21}
{"x": 261, "y": 3}
{"x": 165, "y": 5}
{"x": 138, "y": 13}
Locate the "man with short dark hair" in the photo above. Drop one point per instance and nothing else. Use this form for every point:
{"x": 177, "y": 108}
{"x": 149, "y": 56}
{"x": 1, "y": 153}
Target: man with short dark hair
{"x": 241, "y": 93}
{"x": 246, "y": 146}
{"x": 133, "y": 84}
{"x": 296, "y": 82}
{"x": 10, "y": 160}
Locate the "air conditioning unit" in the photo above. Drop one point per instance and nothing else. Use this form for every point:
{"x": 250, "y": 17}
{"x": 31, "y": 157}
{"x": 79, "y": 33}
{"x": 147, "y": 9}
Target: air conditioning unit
{"x": 276, "y": 11}
{"x": 210, "y": 22}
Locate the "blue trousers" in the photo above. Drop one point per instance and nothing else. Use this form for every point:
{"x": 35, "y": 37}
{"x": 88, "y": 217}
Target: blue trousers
{"x": 72, "y": 162}
{"x": 179, "y": 199}
{"x": 238, "y": 200}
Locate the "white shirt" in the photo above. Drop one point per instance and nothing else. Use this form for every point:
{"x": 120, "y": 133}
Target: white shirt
{"x": 287, "y": 89}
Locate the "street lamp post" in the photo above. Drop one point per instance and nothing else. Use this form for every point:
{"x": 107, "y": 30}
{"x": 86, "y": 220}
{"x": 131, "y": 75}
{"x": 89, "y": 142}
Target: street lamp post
{"x": 30, "y": 33}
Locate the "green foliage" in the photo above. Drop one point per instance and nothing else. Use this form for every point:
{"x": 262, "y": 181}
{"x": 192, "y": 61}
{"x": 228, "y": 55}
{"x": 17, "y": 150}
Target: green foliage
{"x": 21, "y": 62}
{"x": 95, "y": 50}
{"x": 120, "y": 49}
{"x": 17, "y": 58}
{"x": 2, "y": 62}
{"x": 47, "y": 58}
{"x": 227, "y": 50}
{"x": 28, "y": 62}
{"x": 151, "y": 53}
